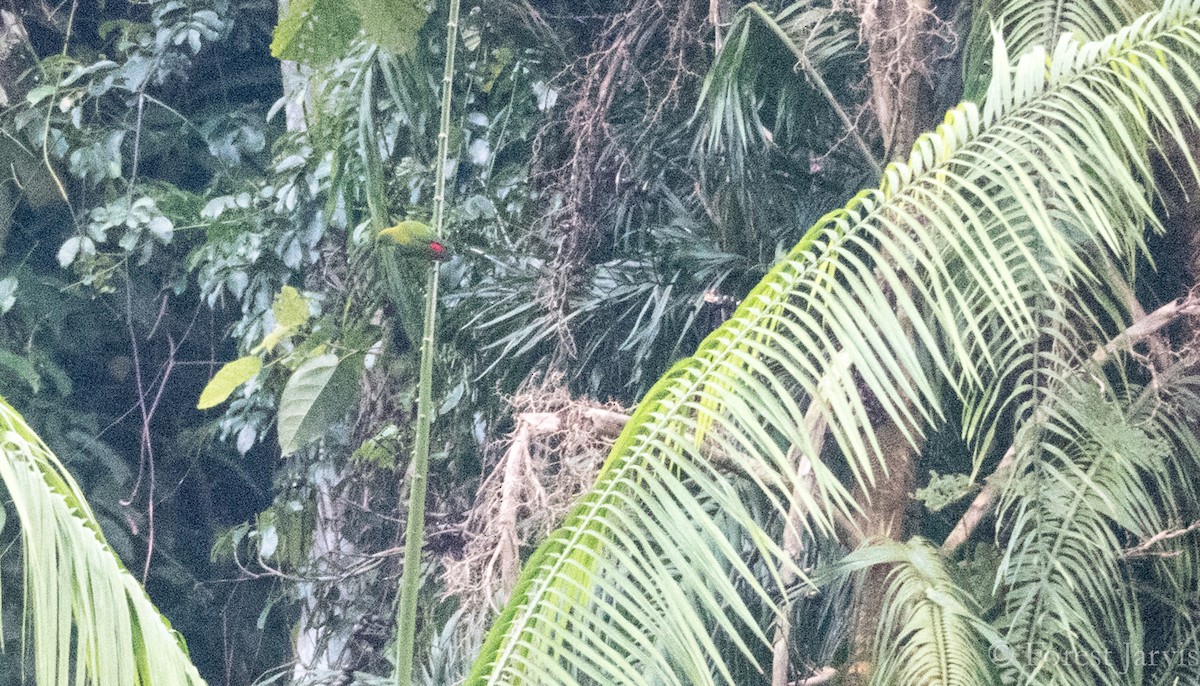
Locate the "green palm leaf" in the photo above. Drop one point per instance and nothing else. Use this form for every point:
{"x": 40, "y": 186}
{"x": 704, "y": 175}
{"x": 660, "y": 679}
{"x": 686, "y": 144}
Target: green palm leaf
{"x": 744, "y": 84}
{"x": 940, "y": 281}
{"x": 1178, "y": 574}
{"x": 1093, "y": 465}
{"x": 92, "y": 622}
{"x": 930, "y": 632}
{"x": 1028, "y": 23}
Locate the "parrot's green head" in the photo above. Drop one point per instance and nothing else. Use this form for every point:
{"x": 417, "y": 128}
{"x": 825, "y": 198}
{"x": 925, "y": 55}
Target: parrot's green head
{"x": 414, "y": 239}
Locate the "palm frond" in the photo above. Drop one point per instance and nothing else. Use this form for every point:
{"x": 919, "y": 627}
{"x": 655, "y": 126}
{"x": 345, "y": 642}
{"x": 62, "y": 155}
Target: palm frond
{"x": 929, "y": 633}
{"x": 1028, "y": 23}
{"x": 935, "y": 282}
{"x": 1176, "y": 575}
{"x": 1092, "y": 466}
{"x": 751, "y": 102}
{"x": 1065, "y": 590}
{"x": 91, "y": 620}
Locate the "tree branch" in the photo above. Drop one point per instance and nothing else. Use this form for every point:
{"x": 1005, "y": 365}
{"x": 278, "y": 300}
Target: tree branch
{"x": 1148, "y": 325}
{"x": 822, "y": 676}
{"x": 1143, "y": 548}
{"x": 979, "y": 507}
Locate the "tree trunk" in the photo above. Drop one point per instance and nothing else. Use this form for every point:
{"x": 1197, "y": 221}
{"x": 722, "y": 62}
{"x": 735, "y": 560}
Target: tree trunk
{"x": 900, "y": 96}
{"x": 894, "y": 31}
{"x": 319, "y": 647}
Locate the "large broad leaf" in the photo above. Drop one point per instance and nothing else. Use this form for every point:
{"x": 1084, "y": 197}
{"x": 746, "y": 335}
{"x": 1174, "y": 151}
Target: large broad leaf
{"x": 319, "y": 393}
{"x": 318, "y": 31}
{"x": 391, "y": 24}
{"x": 90, "y": 620}
{"x": 314, "y": 32}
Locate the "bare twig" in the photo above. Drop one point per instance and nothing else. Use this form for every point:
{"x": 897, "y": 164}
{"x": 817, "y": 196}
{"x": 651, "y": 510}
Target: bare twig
{"x": 62, "y": 190}
{"x": 551, "y": 456}
{"x": 1159, "y": 351}
{"x": 822, "y": 676}
{"x": 714, "y": 18}
{"x": 1143, "y": 548}
{"x": 600, "y": 148}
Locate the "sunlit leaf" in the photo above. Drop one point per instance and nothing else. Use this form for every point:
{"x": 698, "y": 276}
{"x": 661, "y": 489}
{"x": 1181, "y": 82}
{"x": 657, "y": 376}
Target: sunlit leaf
{"x": 290, "y": 308}
{"x": 227, "y": 379}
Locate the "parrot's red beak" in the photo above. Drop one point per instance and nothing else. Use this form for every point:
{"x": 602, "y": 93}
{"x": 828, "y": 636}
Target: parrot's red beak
{"x": 439, "y": 251}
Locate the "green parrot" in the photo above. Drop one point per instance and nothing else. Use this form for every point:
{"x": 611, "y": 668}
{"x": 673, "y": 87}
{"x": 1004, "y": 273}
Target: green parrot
{"x": 403, "y": 251}
{"x": 413, "y": 239}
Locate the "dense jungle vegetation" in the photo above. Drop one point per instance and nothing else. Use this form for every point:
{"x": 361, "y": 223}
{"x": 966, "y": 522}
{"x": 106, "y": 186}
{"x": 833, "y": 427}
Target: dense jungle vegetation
{"x": 553, "y": 342}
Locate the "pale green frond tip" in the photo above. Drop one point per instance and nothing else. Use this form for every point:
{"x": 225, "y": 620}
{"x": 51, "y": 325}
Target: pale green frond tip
{"x": 227, "y": 379}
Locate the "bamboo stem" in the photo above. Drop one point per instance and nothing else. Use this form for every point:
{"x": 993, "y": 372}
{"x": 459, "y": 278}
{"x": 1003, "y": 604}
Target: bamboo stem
{"x": 406, "y": 618}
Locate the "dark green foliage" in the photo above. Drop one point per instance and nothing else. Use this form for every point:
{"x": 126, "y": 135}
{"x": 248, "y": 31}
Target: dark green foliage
{"x": 315, "y": 32}
{"x": 598, "y": 245}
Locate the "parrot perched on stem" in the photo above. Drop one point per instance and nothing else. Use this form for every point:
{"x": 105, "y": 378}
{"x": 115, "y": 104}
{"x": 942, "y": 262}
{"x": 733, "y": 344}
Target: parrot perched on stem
{"x": 413, "y": 239}
{"x": 403, "y": 252}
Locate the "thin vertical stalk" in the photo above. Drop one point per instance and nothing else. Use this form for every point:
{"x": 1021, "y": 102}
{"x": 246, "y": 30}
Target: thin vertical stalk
{"x": 406, "y": 618}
